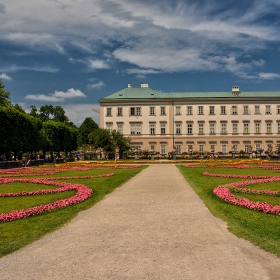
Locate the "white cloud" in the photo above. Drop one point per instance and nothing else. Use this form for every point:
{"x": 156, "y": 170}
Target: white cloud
{"x": 97, "y": 64}
{"x": 259, "y": 63}
{"x": 57, "y": 96}
{"x": 75, "y": 112}
{"x": 16, "y": 68}
{"x": 78, "y": 112}
{"x": 4, "y": 76}
{"x": 269, "y": 76}
{"x": 96, "y": 85}
{"x": 164, "y": 36}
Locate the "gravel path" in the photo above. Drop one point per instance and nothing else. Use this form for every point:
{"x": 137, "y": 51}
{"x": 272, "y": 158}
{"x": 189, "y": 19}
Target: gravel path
{"x": 153, "y": 227}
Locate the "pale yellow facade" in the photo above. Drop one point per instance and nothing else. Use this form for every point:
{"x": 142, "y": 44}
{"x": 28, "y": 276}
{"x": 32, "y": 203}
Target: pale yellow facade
{"x": 195, "y": 124}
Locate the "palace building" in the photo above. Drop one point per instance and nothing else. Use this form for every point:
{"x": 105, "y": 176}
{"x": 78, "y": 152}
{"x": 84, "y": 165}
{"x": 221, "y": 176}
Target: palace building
{"x": 194, "y": 121}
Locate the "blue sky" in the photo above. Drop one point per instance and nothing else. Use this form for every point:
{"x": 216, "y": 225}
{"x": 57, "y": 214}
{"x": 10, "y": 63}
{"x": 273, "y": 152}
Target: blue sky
{"x": 73, "y": 52}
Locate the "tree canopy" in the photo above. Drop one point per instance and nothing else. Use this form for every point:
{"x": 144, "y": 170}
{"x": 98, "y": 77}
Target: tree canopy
{"x": 88, "y": 126}
{"x": 4, "y": 95}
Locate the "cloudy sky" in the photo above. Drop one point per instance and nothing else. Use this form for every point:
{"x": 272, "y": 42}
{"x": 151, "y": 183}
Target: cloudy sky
{"x": 73, "y": 52}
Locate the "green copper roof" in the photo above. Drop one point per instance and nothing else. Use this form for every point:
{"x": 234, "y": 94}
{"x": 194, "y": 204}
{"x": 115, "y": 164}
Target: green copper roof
{"x": 148, "y": 93}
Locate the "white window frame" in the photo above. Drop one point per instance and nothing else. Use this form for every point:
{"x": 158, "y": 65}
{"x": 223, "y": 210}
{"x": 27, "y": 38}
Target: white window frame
{"x": 132, "y": 129}
{"x": 189, "y": 128}
{"x": 178, "y": 128}
{"x": 223, "y": 110}
{"x": 200, "y": 110}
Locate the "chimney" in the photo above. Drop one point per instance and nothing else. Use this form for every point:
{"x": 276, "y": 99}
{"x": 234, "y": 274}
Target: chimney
{"x": 129, "y": 85}
{"x": 235, "y": 89}
{"x": 144, "y": 85}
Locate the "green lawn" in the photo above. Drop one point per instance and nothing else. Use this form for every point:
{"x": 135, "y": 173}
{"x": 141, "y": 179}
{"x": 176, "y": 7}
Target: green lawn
{"x": 259, "y": 228}
{"x": 19, "y": 233}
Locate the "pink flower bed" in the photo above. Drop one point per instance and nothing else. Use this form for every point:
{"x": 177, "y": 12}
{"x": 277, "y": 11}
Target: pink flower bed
{"x": 225, "y": 192}
{"x": 83, "y": 193}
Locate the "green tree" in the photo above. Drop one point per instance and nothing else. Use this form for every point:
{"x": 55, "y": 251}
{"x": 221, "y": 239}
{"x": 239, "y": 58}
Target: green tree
{"x": 4, "y": 95}
{"x": 109, "y": 140}
{"x": 87, "y": 127}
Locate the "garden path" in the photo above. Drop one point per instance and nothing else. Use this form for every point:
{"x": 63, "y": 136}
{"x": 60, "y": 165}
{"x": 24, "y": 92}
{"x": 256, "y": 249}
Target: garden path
{"x": 153, "y": 227}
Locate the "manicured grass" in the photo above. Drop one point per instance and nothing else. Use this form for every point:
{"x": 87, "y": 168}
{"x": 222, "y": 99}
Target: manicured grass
{"x": 19, "y": 233}
{"x": 261, "y": 229}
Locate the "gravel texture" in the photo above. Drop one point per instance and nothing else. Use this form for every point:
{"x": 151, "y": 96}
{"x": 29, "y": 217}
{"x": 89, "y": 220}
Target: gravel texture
{"x": 153, "y": 227}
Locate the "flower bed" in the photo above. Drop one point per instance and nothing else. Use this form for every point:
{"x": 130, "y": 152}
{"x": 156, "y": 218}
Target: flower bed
{"x": 225, "y": 192}
{"x": 83, "y": 192}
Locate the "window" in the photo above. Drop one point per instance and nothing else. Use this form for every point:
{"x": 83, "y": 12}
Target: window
{"x": 138, "y": 129}
{"x": 132, "y": 111}
{"x": 120, "y": 128}
{"x": 200, "y": 110}
{"x": 278, "y": 126}
{"x": 119, "y": 111}
{"x": 109, "y": 112}
{"x": 235, "y": 148}
{"x": 213, "y": 148}
{"x": 152, "y": 111}
{"x": 224, "y": 149}
{"x": 132, "y": 129}
{"x": 211, "y": 110}
{"x": 162, "y": 111}
{"x": 234, "y": 128}
{"x": 163, "y": 149}
{"x": 245, "y": 110}
{"x": 234, "y": 110}
{"x": 109, "y": 127}
{"x": 267, "y": 109}
{"x": 189, "y": 128}
{"x": 246, "y": 128}
{"x": 178, "y": 110}
{"x": 258, "y": 147}
{"x": 138, "y": 111}
{"x": 269, "y": 147}
{"x": 190, "y": 148}
{"x": 201, "y": 148}
{"x": 268, "y": 128}
{"x": 212, "y": 128}
{"x": 246, "y": 148}
{"x": 178, "y": 149}
{"x": 257, "y": 110}
{"x": 152, "y": 129}
{"x": 135, "y": 148}
{"x": 278, "y": 109}
{"x": 223, "y": 128}
{"x": 223, "y": 110}
{"x": 257, "y": 128}
{"x": 200, "y": 128}
{"x": 162, "y": 129}
{"x": 135, "y": 111}
{"x": 189, "y": 110}
{"x": 178, "y": 128}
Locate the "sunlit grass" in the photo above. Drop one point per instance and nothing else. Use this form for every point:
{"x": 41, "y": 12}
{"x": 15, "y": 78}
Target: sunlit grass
{"x": 259, "y": 228}
{"x": 18, "y": 233}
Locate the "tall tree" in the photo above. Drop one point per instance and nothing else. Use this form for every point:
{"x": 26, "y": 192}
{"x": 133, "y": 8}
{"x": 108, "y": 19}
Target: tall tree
{"x": 4, "y": 95}
{"x": 88, "y": 126}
